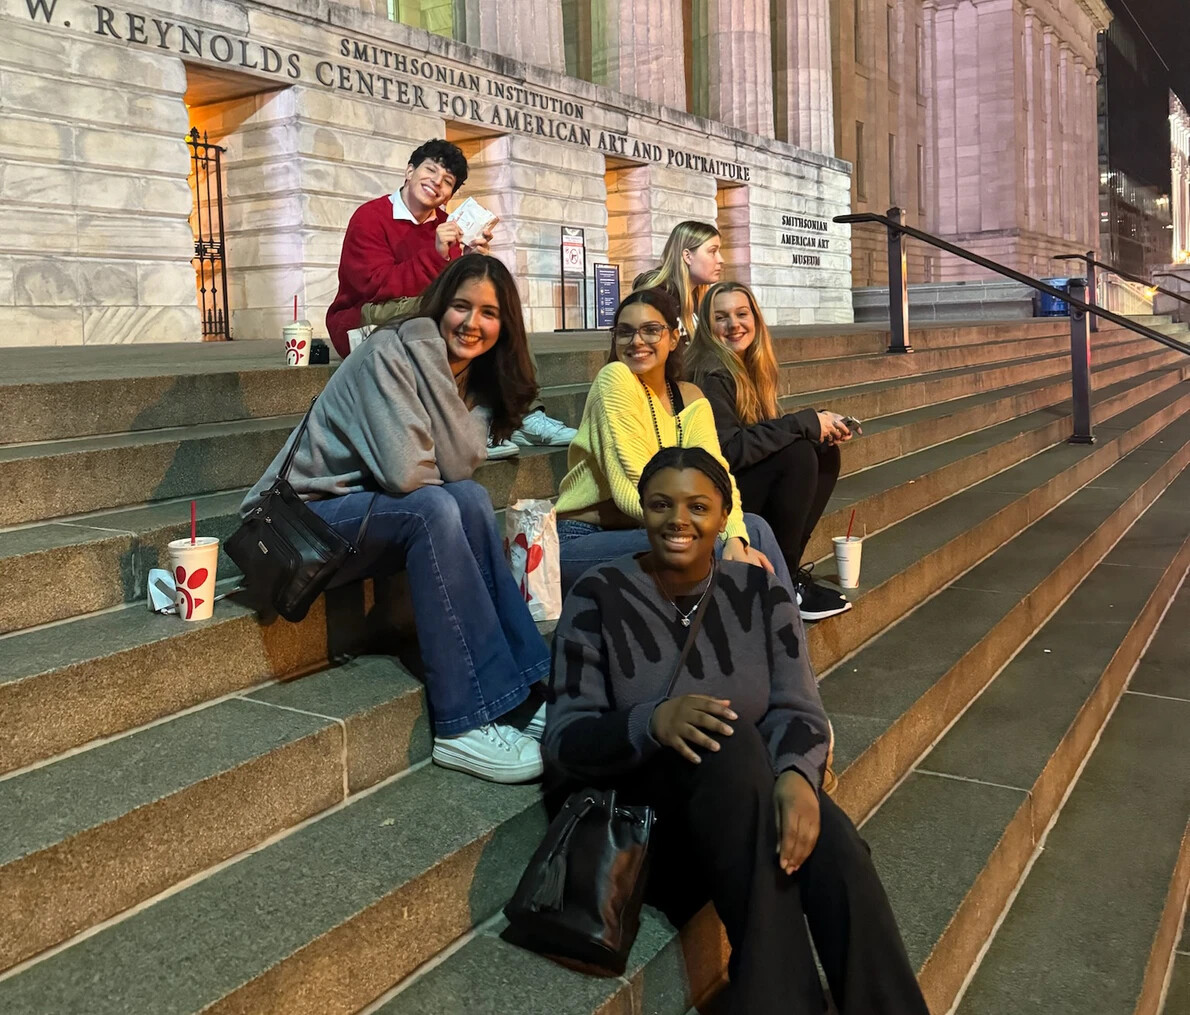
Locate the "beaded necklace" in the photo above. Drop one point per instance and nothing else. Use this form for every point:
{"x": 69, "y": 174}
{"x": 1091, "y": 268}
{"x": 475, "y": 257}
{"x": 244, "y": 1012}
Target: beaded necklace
{"x": 653, "y": 412}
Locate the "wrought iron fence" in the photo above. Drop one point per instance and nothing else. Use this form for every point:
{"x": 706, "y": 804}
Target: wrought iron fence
{"x": 210, "y": 262}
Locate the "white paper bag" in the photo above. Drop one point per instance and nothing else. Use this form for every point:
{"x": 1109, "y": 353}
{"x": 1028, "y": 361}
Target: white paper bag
{"x": 473, "y": 218}
{"x": 531, "y": 545}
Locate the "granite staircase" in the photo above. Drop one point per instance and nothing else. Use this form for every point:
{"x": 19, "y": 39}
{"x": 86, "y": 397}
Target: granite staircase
{"x": 232, "y": 816}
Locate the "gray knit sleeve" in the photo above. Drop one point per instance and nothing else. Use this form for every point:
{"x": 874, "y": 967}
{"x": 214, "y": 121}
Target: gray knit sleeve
{"x": 794, "y": 727}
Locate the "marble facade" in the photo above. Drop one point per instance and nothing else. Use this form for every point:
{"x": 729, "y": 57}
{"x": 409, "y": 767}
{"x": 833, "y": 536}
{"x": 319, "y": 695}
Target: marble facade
{"x": 318, "y": 105}
{"x": 978, "y": 118}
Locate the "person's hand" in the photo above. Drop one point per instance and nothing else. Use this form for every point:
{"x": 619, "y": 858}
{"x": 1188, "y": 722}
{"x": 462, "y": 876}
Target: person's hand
{"x": 679, "y": 723}
{"x": 834, "y": 430}
{"x": 483, "y": 241}
{"x": 796, "y": 807}
{"x": 447, "y": 233}
{"x": 736, "y": 549}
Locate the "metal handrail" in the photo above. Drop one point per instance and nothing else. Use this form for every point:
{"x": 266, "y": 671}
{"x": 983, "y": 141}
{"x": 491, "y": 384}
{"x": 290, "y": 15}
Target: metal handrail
{"x": 1080, "y": 309}
{"x": 1093, "y": 262}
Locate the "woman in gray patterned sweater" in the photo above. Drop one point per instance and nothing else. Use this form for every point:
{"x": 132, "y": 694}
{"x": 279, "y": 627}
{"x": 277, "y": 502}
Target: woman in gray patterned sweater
{"x": 732, "y": 760}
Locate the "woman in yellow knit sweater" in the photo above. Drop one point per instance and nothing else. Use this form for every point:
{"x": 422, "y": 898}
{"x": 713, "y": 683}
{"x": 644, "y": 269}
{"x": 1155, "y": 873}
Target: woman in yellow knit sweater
{"x": 637, "y": 405}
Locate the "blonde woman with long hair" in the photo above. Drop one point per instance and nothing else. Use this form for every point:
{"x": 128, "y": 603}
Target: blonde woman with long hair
{"x": 785, "y": 464}
{"x": 692, "y": 260}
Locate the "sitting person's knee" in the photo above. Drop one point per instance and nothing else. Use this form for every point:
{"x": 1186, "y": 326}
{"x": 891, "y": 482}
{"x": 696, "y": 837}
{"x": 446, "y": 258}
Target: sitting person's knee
{"x": 800, "y": 457}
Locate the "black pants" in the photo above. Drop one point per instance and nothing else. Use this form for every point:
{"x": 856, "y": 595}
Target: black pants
{"x": 716, "y": 837}
{"x": 789, "y": 490}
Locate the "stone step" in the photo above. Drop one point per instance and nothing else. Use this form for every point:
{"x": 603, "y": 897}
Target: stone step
{"x": 889, "y": 437}
{"x": 64, "y": 568}
{"x": 101, "y": 830}
{"x": 667, "y": 972}
{"x": 63, "y": 409}
{"x": 561, "y": 360}
{"x": 907, "y": 563}
{"x": 811, "y": 375}
{"x": 1177, "y": 999}
{"x": 885, "y": 494}
{"x": 954, "y": 837}
{"x": 893, "y": 700}
{"x": 325, "y": 919}
{"x": 66, "y": 478}
{"x": 567, "y": 400}
{"x": 64, "y": 685}
{"x": 1094, "y": 924}
{"x": 869, "y": 401}
{"x": 50, "y": 397}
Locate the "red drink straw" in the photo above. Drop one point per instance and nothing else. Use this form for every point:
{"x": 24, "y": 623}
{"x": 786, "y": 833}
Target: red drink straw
{"x": 193, "y": 522}
{"x": 295, "y": 308}
{"x": 849, "y": 524}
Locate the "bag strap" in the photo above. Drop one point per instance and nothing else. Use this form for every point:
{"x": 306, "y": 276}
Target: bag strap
{"x": 285, "y": 466}
{"x": 363, "y": 526}
{"x": 695, "y": 625}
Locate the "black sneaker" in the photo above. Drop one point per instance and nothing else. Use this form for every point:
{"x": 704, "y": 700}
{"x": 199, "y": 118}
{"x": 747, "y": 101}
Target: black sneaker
{"x": 817, "y": 602}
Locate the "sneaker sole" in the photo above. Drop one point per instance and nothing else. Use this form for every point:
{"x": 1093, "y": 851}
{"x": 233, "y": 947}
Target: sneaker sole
{"x": 823, "y": 614}
{"x": 502, "y": 455}
{"x": 525, "y": 442}
{"x": 506, "y": 776}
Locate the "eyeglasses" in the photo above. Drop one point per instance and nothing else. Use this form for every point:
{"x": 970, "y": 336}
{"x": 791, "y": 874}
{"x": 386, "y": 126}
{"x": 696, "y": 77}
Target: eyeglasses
{"x": 650, "y": 333}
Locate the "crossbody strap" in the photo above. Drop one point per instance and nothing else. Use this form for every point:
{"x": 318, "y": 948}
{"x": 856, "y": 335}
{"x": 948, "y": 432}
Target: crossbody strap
{"x": 695, "y": 626}
{"x": 285, "y": 466}
{"x": 363, "y": 526}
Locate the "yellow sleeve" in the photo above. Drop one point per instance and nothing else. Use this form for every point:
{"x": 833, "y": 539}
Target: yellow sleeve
{"x": 621, "y": 434}
{"x": 699, "y": 424}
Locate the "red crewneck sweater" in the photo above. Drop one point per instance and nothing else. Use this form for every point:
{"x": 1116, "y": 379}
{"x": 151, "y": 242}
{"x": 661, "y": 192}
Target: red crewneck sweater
{"x": 383, "y": 259}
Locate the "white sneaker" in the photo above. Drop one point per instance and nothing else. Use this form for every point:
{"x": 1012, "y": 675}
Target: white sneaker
{"x": 539, "y": 430}
{"x": 501, "y": 449}
{"x": 494, "y": 752}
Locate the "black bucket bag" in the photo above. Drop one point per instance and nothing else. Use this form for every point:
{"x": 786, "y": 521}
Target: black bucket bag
{"x": 580, "y": 898}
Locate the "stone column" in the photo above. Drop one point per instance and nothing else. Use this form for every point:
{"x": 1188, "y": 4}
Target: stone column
{"x": 731, "y": 50}
{"x": 802, "y": 90}
{"x": 528, "y": 30}
{"x": 636, "y": 49}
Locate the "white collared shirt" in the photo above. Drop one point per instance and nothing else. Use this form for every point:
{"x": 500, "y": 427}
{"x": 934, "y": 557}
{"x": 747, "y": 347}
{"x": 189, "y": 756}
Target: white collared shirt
{"x": 402, "y": 212}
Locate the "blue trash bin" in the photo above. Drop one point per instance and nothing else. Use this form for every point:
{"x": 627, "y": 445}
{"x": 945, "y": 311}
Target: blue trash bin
{"x": 1051, "y": 306}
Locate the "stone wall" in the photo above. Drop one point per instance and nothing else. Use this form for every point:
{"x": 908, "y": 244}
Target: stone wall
{"x": 319, "y": 106}
{"x": 95, "y": 240}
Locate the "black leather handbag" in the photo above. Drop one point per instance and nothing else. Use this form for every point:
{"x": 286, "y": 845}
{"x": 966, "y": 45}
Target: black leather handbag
{"x": 580, "y": 898}
{"x": 286, "y": 552}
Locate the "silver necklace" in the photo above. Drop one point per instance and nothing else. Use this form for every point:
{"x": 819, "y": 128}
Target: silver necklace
{"x": 686, "y": 617}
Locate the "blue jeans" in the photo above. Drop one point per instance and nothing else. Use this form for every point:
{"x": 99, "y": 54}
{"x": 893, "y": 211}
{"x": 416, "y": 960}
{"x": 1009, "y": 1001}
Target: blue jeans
{"x": 479, "y": 646}
{"x": 582, "y": 545}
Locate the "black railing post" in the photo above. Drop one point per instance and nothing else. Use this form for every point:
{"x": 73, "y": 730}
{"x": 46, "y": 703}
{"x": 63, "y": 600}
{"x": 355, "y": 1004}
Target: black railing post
{"x": 1092, "y": 290}
{"x": 898, "y": 287}
{"x": 1080, "y": 366}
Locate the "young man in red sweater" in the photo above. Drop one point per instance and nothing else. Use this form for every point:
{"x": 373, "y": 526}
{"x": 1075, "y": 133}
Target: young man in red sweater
{"x": 397, "y": 245}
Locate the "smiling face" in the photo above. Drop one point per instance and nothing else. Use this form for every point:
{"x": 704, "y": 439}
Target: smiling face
{"x": 427, "y": 186}
{"x": 643, "y": 359}
{"x": 684, "y": 515}
{"x": 471, "y": 324}
{"x": 705, "y": 262}
{"x": 732, "y": 321}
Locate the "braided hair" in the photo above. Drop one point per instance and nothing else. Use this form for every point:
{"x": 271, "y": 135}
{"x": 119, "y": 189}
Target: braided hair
{"x": 688, "y": 458}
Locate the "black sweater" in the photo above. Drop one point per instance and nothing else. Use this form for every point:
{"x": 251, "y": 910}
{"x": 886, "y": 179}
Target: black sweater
{"x": 616, "y": 646}
{"x": 745, "y": 445}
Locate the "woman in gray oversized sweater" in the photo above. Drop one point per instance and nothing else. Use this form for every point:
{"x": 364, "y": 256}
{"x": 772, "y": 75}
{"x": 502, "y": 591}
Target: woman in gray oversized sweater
{"x": 397, "y": 432}
{"x": 732, "y": 760}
